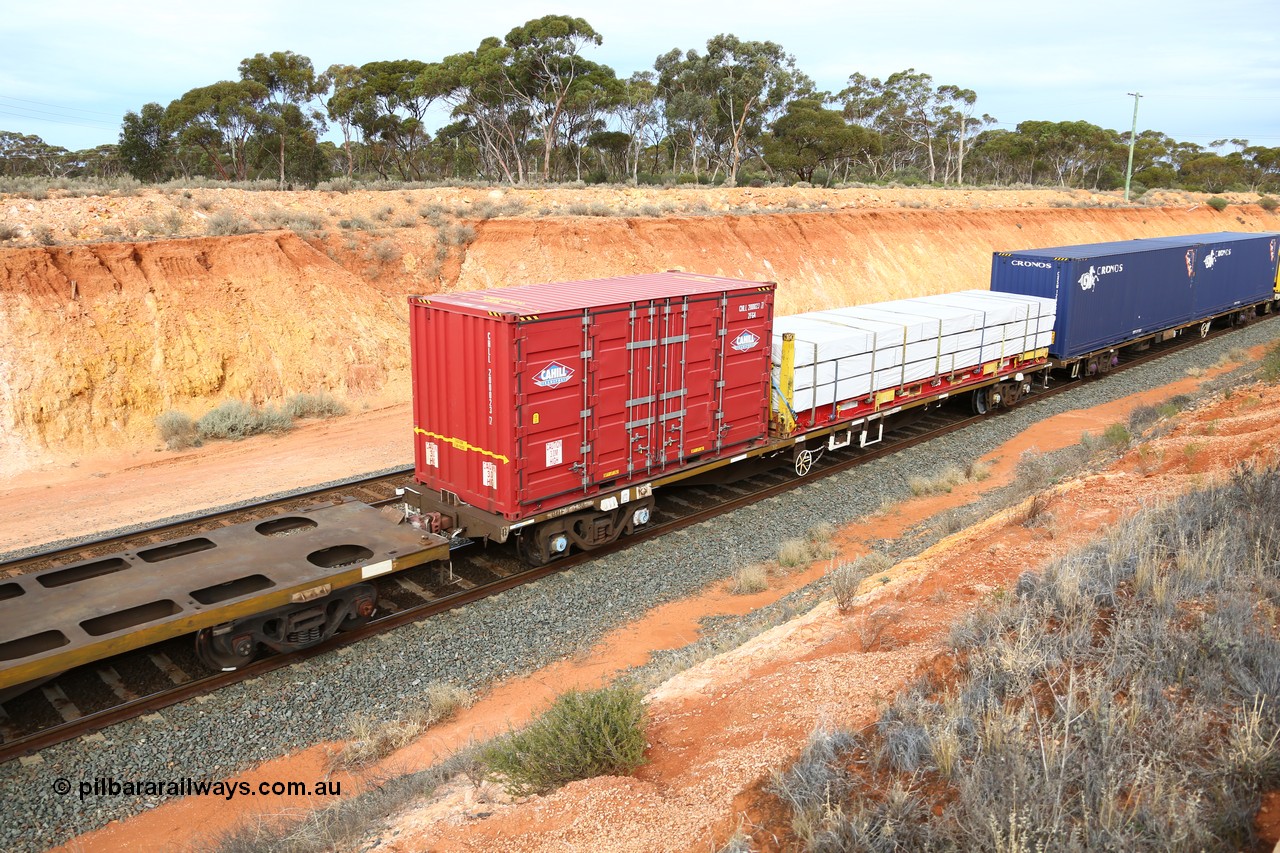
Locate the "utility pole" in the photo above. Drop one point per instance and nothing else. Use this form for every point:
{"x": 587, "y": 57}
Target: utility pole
{"x": 1133, "y": 137}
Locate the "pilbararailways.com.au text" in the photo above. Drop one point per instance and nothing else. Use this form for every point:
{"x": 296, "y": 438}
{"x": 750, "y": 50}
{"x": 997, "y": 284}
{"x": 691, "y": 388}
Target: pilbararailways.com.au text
{"x": 109, "y": 786}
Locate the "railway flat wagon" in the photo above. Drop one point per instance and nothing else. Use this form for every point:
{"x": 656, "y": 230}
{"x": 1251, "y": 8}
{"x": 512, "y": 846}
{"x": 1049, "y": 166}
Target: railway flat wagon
{"x": 1111, "y": 295}
{"x": 559, "y": 404}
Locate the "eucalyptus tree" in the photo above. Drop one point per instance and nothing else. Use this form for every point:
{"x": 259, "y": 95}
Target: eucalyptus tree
{"x": 809, "y": 136}
{"x": 217, "y": 118}
{"x": 346, "y": 82}
{"x": 587, "y": 109}
{"x": 637, "y": 111}
{"x": 28, "y": 154}
{"x": 475, "y": 85}
{"x": 146, "y": 144}
{"x": 545, "y": 69}
{"x": 738, "y": 87}
{"x": 688, "y": 104}
{"x": 1266, "y": 167}
{"x": 292, "y": 87}
{"x": 390, "y": 106}
{"x": 1072, "y": 149}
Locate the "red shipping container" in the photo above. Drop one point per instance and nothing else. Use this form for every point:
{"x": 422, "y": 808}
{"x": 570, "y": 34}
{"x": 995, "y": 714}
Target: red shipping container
{"x": 531, "y": 398}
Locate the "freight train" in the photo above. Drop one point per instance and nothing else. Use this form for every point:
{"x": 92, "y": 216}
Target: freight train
{"x": 550, "y": 414}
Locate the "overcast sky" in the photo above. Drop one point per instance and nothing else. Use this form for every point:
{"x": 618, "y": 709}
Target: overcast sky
{"x": 69, "y": 70}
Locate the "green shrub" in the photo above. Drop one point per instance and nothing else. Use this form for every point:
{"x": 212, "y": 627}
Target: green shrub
{"x": 226, "y": 223}
{"x": 1117, "y": 435}
{"x": 235, "y": 420}
{"x": 1268, "y": 203}
{"x": 1217, "y": 202}
{"x": 319, "y": 405}
{"x": 177, "y": 429}
{"x": 584, "y": 734}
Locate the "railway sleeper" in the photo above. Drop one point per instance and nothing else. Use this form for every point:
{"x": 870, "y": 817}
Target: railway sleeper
{"x": 231, "y": 645}
{"x": 586, "y": 531}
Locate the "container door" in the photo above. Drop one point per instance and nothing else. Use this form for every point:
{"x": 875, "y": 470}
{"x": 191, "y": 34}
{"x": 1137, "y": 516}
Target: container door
{"x": 642, "y": 428}
{"x": 743, "y": 368}
{"x": 609, "y": 390}
{"x": 701, "y": 397}
{"x": 673, "y": 345}
{"x": 550, "y": 394}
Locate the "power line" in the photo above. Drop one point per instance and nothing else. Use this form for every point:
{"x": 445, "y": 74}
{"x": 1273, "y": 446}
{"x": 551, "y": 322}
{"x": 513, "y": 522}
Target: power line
{"x": 27, "y": 111}
{"x": 98, "y": 127}
{"x": 55, "y": 106}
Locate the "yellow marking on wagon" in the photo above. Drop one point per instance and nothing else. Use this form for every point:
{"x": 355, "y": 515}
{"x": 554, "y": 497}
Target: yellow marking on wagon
{"x": 460, "y": 444}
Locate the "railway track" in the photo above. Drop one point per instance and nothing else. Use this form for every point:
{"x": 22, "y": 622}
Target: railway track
{"x": 137, "y": 683}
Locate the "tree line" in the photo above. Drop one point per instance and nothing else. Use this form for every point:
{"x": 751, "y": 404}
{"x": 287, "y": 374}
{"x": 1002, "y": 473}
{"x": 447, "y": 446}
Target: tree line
{"x": 532, "y": 106}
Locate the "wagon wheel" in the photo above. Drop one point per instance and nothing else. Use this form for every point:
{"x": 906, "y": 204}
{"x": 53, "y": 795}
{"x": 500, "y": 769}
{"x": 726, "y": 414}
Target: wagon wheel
{"x": 355, "y": 619}
{"x": 530, "y": 549}
{"x": 981, "y": 401}
{"x": 217, "y": 652}
{"x": 804, "y": 463}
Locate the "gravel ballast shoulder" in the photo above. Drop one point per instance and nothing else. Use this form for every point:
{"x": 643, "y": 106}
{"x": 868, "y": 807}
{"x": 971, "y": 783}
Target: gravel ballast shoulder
{"x": 514, "y": 633}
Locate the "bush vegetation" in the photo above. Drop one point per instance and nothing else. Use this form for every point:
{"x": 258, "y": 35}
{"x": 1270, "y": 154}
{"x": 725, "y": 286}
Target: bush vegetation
{"x": 1124, "y": 700}
{"x": 235, "y": 420}
{"x": 1217, "y": 202}
{"x": 1269, "y": 370}
{"x": 372, "y": 739}
{"x": 318, "y": 405}
{"x": 847, "y": 578}
{"x": 178, "y": 430}
{"x": 749, "y": 580}
{"x": 225, "y": 223}
{"x": 584, "y": 734}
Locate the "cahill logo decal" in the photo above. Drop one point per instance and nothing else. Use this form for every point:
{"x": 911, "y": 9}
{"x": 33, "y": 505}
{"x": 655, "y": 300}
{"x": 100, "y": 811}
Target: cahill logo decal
{"x": 553, "y": 375}
{"x": 745, "y": 341}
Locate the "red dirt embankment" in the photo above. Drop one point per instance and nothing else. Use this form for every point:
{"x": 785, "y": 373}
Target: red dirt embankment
{"x": 97, "y": 339}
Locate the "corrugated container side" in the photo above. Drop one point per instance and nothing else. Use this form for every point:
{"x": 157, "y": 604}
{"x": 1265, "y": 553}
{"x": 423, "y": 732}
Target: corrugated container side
{"x": 520, "y": 414}
{"x": 1231, "y": 269}
{"x": 1124, "y": 291}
